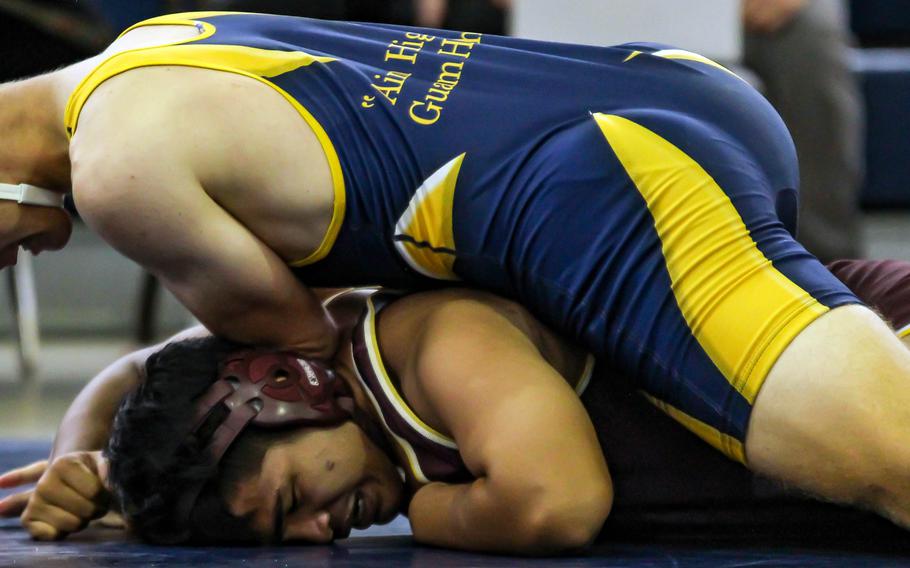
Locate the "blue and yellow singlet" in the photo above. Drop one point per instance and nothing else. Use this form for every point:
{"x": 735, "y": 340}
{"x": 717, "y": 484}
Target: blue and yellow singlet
{"x": 640, "y": 199}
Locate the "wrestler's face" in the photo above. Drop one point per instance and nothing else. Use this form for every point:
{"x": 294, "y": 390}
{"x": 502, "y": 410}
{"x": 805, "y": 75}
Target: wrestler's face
{"x": 31, "y": 227}
{"x": 318, "y": 485}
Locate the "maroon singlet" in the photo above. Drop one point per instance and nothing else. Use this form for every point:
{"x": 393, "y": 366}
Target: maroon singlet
{"x": 882, "y": 284}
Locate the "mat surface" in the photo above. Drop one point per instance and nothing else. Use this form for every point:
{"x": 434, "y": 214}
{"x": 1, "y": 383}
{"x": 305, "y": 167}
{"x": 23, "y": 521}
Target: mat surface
{"x": 392, "y": 546}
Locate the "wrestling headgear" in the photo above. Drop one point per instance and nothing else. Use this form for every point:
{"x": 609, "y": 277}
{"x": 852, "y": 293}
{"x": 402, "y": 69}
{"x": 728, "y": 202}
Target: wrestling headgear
{"x": 268, "y": 389}
{"x": 30, "y": 195}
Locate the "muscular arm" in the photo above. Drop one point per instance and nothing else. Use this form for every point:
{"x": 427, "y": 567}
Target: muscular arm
{"x": 87, "y": 422}
{"x": 542, "y": 483}
{"x": 70, "y": 489}
{"x": 136, "y": 181}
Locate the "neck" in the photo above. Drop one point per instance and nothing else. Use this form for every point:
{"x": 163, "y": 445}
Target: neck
{"x": 35, "y": 149}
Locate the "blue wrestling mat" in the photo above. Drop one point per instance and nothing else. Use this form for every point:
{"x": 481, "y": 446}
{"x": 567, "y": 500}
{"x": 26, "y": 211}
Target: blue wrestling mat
{"x": 869, "y": 543}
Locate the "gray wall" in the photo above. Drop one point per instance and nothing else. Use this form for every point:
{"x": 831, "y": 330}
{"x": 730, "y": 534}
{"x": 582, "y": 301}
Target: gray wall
{"x": 88, "y": 289}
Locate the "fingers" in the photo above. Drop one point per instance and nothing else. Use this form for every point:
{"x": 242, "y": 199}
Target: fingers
{"x": 82, "y": 478}
{"x": 47, "y": 522}
{"x": 13, "y": 505}
{"x": 112, "y": 520}
{"x": 41, "y": 531}
{"x": 67, "y": 499}
{"x": 23, "y": 475}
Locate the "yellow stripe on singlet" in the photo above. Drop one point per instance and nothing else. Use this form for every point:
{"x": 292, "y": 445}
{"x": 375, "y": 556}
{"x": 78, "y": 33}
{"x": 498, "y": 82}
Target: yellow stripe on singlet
{"x": 180, "y": 19}
{"x": 724, "y": 442}
{"x": 255, "y": 63}
{"x": 739, "y": 307}
{"x": 692, "y": 56}
{"x": 424, "y": 235}
{"x": 683, "y": 55}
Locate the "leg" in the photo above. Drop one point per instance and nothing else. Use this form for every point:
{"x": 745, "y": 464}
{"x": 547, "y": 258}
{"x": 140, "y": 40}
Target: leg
{"x": 833, "y": 416}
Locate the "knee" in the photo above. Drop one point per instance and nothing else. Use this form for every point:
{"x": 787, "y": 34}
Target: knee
{"x": 886, "y": 488}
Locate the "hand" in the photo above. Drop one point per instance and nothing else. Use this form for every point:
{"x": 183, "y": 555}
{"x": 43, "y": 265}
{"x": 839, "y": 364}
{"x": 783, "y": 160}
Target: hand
{"x": 13, "y": 505}
{"x": 769, "y": 16}
{"x": 69, "y": 494}
{"x": 430, "y": 13}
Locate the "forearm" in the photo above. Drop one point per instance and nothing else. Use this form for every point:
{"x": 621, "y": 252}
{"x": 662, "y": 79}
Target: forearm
{"x": 87, "y": 423}
{"x": 298, "y": 322}
{"x": 477, "y": 517}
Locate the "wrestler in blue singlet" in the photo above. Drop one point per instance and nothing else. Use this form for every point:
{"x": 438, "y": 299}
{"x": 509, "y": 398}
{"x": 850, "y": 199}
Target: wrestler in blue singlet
{"x": 638, "y": 198}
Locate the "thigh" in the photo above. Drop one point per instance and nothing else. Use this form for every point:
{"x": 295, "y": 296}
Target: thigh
{"x": 724, "y": 289}
{"x": 834, "y": 414}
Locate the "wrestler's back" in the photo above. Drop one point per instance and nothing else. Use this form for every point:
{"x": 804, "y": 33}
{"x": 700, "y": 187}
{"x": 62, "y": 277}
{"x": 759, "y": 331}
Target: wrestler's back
{"x": 256, "y": 158}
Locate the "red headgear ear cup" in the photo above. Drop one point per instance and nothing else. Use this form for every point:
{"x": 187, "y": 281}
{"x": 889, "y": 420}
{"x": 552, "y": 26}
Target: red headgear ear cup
{"x": 292, "y": 391}
{"x": 269, "y": 389}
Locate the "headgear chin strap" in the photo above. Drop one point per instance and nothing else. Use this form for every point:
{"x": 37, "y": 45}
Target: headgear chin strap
{"x": 30, "y": 195}
{"x": 268, "y": 389}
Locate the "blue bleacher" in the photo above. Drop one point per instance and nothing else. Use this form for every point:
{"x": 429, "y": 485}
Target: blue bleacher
{"x": 881, "y": 22}
{"x": 884, "y": 74}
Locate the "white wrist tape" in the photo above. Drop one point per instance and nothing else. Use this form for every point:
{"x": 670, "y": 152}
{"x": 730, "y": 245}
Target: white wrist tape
{"x": 30, "y": 195}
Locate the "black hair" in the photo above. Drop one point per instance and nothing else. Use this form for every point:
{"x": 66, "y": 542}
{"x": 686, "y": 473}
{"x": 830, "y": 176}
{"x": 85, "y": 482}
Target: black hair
{"x": 155, "y": 460}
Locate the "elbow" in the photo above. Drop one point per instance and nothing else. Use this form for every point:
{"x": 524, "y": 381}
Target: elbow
{"x": 568, "y": 524}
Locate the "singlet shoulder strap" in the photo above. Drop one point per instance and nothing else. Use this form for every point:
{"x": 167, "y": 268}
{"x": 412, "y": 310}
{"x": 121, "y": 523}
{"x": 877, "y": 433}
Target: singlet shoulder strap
{"x": 585, "y": 378}
{"x": 428, "y": 454}
{"x": 256, "y": 63}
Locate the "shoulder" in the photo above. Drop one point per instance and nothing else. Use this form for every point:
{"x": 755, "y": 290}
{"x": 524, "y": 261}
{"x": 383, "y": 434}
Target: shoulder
{"x": 127, "y": 128}
{"x": 432, "y": 334}
{"x": 458, "y": 304}
{"x": 144, "y": 106}
{"x": 148, "y": 133}
{"x": 453, "y": 317}
{"x": 445, "y": 315}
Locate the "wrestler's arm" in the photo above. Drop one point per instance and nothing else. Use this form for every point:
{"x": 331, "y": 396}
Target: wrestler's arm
{"x": 88, "y": 420}
{"x": 542, "y": 483}
{"x": 136, "y": 181}
{"x": 70, "y": 485}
